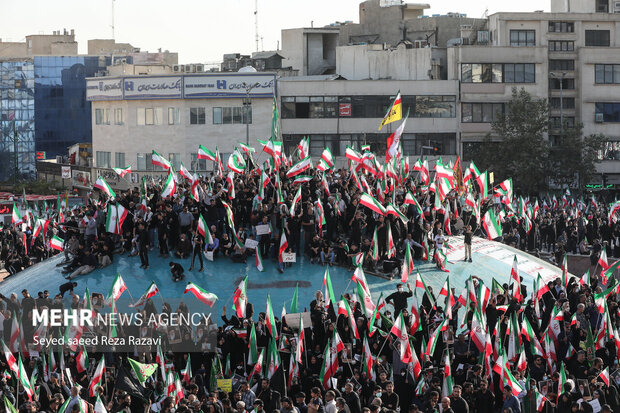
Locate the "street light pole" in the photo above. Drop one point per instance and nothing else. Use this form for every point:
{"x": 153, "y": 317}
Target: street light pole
{"x": 247, "y": 104}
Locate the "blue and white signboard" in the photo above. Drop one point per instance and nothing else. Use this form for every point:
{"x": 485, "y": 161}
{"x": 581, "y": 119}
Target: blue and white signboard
{"x": 104, "y": 89}
{"x": 152, "y": 87}
{"x": 194, "y": 86}
{"x": 228, "y": 85}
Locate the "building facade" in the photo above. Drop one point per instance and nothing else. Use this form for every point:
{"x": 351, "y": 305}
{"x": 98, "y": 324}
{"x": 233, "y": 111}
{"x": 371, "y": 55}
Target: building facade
{"x": 174, "y": 114}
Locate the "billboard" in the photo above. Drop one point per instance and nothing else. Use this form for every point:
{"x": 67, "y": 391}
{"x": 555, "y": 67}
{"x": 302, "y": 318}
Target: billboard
{"x": 228, "y": 85}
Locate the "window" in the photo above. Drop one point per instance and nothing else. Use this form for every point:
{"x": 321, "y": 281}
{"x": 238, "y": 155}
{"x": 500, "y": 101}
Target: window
{"x": 565, "y": 84}
{"x": 302, "y": 107}
{"x": 566, "y": 103}
{"x": 607, "y": 74}
{"x": 597, "y": 37}
{"x": 561, "y": 64}
{"x": 118, "y": 116}
{"x": 119, "y": 159}
{"x": 149, "y": 116}
{"x": 175, "y": 160}
{"x": 435, "y": 107}
{"x": 103, "y": 159}
{"x": 498, "y": 73}
{"x": 561, "y": 46}
{"x": 555, "y": 122}
{"x": 602, "y": 6}
{"x": 610, "y": 151}
{"x": 198, "y": 164}
{"x": 102, "y": 116}
{"x": 174, "y": 116}
{"x": 145, "y": 162}
{"x": 522, "y": 38}
{"x": 197, "y": 116}
{"x": 481, "y": 112}
{"x": 561, "y": 27}
{"x": 217, "y": 116}
{"x": 610, "y": 111}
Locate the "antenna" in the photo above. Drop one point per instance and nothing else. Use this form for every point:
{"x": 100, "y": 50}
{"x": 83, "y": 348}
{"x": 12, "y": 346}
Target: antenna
{"x": 256, "y": 37}
{"x": 112, "y": 26}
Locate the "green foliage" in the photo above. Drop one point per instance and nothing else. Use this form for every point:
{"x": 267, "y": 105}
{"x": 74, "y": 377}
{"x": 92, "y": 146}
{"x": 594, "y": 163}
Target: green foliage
{"x": 522, "y": 152}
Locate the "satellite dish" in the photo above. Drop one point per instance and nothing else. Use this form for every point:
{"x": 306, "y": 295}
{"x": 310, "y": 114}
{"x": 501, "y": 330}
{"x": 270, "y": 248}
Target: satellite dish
{"x": 247, "y": 69}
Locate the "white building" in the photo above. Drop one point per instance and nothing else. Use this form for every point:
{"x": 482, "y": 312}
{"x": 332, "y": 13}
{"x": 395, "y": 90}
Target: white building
{"x": 174, "y": 114}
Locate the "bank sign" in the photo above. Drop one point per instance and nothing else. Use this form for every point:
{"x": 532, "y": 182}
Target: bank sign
{"x": 194, "y": 86}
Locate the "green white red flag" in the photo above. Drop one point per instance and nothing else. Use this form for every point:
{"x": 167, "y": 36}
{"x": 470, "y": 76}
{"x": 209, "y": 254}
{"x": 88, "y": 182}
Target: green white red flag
{"x": 202, "y": 295}
{"x": 157, "y": 159}
{"x": 122, "y": 171}
{"x": 151, "y": 291}
{"x": 57, "y": 243}
{"x": 97, "y": 377}
{"x": 169, "y": 188}
{"x": 270, "y": 320}
{"x": 103, "y": 186}
{"x": 23, "y": 379}
{"x": 117, "y": 289}
{"x": 240, "y": 298}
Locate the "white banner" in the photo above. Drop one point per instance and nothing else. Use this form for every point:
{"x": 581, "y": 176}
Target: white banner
{"x": 250, "y": 243}
{"x": 148, "y": 87}
{"x": 289, "y": 257}
{"x": 104, "y": 89}
{"x": 228, "y": 85}
{"x": 65, "y": 172}
{"x": 263, "y": 229}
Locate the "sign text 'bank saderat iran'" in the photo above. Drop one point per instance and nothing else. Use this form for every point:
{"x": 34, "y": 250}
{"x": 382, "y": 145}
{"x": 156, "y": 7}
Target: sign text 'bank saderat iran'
{"x": 195, "y": 86}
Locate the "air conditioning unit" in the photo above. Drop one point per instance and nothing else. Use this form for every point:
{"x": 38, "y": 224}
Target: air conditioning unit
{"x": 200, "y": 68}
{"x": 190, "y": 68}
{"x": 598, "y": 118}
{"x": 178, "y": 68}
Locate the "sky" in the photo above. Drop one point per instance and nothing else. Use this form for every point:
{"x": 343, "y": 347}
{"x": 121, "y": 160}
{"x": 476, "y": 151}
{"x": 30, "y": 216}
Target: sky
{"x": 201, "y": 31}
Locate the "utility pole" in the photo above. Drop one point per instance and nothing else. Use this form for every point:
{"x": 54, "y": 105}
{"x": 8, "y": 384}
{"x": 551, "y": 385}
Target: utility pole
{"x": 247, "y": 105}
{"x": 15, "y": 154}
{"x": 112, "y": 20}
{"x": 256, "y": 37}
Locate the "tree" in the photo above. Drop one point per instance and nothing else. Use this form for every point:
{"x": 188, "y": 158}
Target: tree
{"x": 572, "y": 160}
{"x": 522, "y": 151}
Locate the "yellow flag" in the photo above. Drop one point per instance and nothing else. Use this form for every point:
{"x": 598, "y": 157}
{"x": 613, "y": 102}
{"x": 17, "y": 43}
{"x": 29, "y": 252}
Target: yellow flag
{"x": 394, "y": 113}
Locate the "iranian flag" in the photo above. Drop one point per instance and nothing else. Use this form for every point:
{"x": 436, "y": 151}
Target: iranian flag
{"x": 299, "y": 167}
{"x": 408, "y": 266}
{"x": 57, "y": 243}
{"x": 40, "y": 227}
{"x": 540, "y": 401}
{"x": 584, "y": 280}
{"x": 296, "y": 200}
{"x": 446, "y": 389}
{"x": 97, "y": 377}
{"x": 369, "y": 202}
{"x": 352, "y": 155}
{"x": 283, "y": 246}
{"x": 302, "y": 179}
{"x": 115, "y": 218}
{"x": 526, "y": 330}
{"x": 327, "y": 157}
{"x": 157, "y": 159}
{"x": 202, "y": 226}
{"x": 150, "y": 292}
{"x": 123, "y": 171}
{"x": 391, "y": 250}
{"x": 303, "y": 148}
{"x": 483, "y": 184}
{"x": 259, "y": 261}
{"x": 478, "y": 331}
{"x": 330, "y": 359}
{"x": 344, "y": 309}
{"x": 99, "y": 406}
{"x": 393, "y": 141}
{"x": 208, "y": 154}
{"x": 434, "y": 338}
{"x": 605, "y": 376}
{"x": 236, "y": 163}
{"x": 81, "y": 361}
{"x": 516, "y": 282}
{"x": 10, "y": 358}
{"x": 202, "y": 295}
{"x": 187, "y": 372}
{"x": 252, "y": 347}
{"x": 258, "y": 367}
{"x": 422, "y": 167}
{"x": 443, "y": 171}
{"x": 492, "y": 225}
{"x": 368, "y": 361}
{"x": 329, "y": 291}
{"x": 103, "y": 186}
{"x": 399, "y": 329}
{"x": 410, "y": 199}
{"x": 602, "y": 261}
{"x": 420, "y": 283}
{"x": 117, "y": 289}
{"x": 299, "y": 348}
{"x": 270, "y": 320}
{"x": 16, "y": 217}
{"x": 169, "y": 187}
{"x": 240, "y": 298}
{"x": 23, "y": 379}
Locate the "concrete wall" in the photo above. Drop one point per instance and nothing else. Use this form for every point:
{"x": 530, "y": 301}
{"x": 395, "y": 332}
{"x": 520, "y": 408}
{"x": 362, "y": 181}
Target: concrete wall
{"x": 312, "y": 51}
{"x": 183, "y": 138}
{"x": 13, "y": 49}
{"x": 294, "y": 49}
{"x": 41, "y": 44}
{"x": 372, "y": 62}
{"x": 573, "y": 6}
{"x": 109, "y": 46}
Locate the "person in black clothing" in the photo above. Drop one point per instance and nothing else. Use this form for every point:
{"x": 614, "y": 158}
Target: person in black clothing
{"x": 177, "y": 271}
{"x": 467, "y": 236}
{"x": 270, "y": 398}
{"x": 352, "y": 399}
{"x": 399, "y": 299}
{"x": 28, "y": 303}
{"x": 144, "y": 240}
{"x": 162, "y": 234}
{"x": 390, "y": 399}
{"x": 198, "y": 241}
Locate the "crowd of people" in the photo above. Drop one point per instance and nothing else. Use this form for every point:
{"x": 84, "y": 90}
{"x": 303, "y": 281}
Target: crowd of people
{"x": 353, "y": 359}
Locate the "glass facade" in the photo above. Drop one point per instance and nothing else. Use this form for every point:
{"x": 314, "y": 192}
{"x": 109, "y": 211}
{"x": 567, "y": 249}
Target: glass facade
{"x": 17, "y": 120}
{"x": 62, "y": 116}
